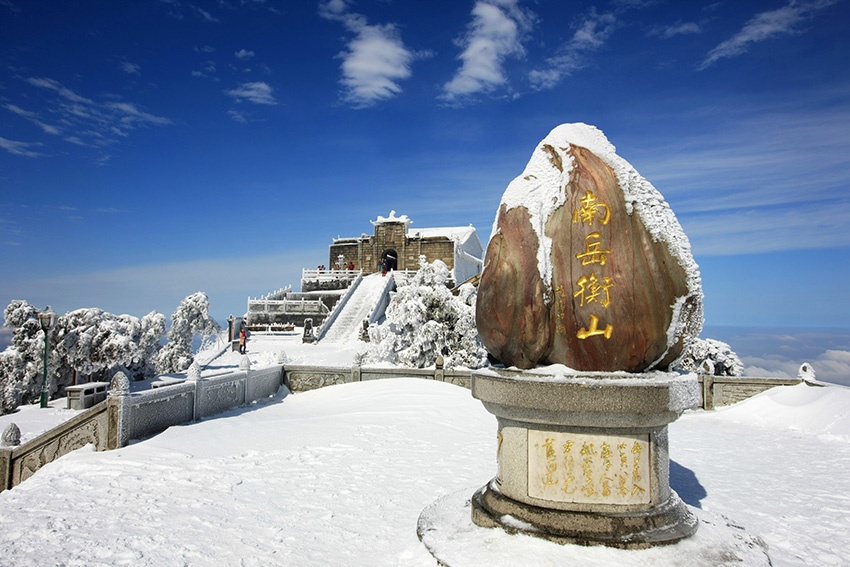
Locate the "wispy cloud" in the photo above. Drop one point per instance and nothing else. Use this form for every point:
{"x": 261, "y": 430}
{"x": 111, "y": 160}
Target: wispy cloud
{"x": 130, "y": 68}
{"x": 673, "y": 30}
{"x": 34, "y": 118}
{"x": 375, "y": 61}
{"x": 203, "y": 14}
{"x": 20, "y": 148}
{"x": 593, "y": 32}
{"x": 257, "y": 92}
{"x": 244, "y": 54}
{"x": 767, "y": 25}
{"x": 495, "y": 34}
{"x": 208, "y": 70}
{"x": 775, "y": 179}
{"x": 238, "y": 116}
{"x": 80, "y": 120}
{"x": 8, "y": 4}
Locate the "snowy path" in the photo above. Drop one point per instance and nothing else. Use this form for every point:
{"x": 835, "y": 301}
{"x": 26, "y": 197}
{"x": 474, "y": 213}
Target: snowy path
{"x": 360, "y": 305}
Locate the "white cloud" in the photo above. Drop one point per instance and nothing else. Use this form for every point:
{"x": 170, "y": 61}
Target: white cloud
{"x": 494, "y": 34}
{"x": 129, "y": 113}
{"x": 34, "y": 118}
{"x": 774, "y": 180}
{"x": 204, "y": 15}
{"x": 244, "y": 54}
{"x": 237, "y": 116}
{"x": 591, "y": 35}
{"x": 767, "y": 25}
{"x": 130, "y": 68}
{"x": 679, "y": 28}
{"x": 56, "y": 86}
{"x": 20, "y": 148}
{"x": 376, "y": 58}
{"x": 258, "y": 93}
{"x": 86, "y": 122}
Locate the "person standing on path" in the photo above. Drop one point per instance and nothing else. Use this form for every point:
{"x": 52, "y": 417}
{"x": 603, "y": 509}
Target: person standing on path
{"x": 243, "y": 340}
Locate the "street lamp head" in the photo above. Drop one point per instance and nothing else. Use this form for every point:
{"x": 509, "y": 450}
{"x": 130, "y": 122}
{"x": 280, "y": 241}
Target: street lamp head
{"x": 46, "y": 318}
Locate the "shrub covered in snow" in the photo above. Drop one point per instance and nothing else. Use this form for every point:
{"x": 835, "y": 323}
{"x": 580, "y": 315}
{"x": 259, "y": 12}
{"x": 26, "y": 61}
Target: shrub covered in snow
{"x": 424, "y": 320}
{"x": 192, "y": 316}
{"x": 715, "y": 356}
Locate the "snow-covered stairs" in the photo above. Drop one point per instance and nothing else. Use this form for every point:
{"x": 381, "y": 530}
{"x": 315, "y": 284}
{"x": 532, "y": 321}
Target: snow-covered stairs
{"x": 360, "y": 305}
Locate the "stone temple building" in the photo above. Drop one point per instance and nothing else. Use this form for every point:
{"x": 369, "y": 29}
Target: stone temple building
{"x": 400, "y": 246}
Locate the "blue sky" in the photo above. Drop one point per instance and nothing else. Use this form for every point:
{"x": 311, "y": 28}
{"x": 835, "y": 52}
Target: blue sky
{"x": 152, "y": 149}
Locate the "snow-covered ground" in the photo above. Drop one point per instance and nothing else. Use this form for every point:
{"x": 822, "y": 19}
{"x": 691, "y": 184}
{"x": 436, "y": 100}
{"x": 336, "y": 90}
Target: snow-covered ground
{"x": 339, "y": 476}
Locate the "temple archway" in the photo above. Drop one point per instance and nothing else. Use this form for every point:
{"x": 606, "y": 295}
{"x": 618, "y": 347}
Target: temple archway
{"x": 391, "y": 259}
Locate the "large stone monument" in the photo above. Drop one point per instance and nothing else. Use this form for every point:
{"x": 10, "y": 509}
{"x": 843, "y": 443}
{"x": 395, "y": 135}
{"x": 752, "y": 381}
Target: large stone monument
{"x": 589, "y": 294}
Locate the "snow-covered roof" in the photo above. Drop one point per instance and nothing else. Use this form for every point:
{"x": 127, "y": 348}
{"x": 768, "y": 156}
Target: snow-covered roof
{"x": 392, "y": 219}
{"x": 461, "y": 233}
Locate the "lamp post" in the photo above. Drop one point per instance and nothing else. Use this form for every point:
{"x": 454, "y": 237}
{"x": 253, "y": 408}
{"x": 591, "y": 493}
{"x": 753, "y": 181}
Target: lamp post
{"x": 46, "y": 319}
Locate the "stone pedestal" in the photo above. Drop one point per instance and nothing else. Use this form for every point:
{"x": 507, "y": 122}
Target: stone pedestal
{"x": 583, "y": 458}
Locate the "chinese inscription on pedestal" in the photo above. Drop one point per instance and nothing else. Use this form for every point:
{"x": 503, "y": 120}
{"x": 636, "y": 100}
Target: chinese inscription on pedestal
{"x": 582, "y": 468}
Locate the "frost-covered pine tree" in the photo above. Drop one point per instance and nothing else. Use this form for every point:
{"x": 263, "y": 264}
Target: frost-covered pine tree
{"x": 95, "y": 343}
{"x": 425, "y": 320}
{"x": 718, "y": 356}
{"x": 192, "y": 316}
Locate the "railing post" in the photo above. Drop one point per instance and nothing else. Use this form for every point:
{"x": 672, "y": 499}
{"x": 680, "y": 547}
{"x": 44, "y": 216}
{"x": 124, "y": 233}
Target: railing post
{"x": 11, "y": 439}
{"x": 708, "y": 391}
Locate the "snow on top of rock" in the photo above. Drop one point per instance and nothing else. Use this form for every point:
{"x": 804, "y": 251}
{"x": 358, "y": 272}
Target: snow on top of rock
{"x": 551, "y": 166}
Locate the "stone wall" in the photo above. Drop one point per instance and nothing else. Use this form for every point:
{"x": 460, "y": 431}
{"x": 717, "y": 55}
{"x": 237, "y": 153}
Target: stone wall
{"x": 365, "y": 253}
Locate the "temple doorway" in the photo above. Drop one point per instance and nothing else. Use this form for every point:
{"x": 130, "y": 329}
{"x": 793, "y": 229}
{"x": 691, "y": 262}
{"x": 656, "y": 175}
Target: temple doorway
{"x": 391, "y": 259}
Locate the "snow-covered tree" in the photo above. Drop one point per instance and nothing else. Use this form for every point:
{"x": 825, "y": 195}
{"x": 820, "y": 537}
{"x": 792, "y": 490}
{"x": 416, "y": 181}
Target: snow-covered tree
{"x": 716, "y": 356}
{"x": 191, "y": 317}
{"x": 424, "y": 320}
{"x": 22, "y": 363}
{"x": 90, "y": 343}
{"x": 94, "y": 342}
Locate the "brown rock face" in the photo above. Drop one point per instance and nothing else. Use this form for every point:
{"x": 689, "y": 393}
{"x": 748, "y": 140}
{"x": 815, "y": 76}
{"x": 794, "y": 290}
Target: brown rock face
{"x": 617, "y": 300}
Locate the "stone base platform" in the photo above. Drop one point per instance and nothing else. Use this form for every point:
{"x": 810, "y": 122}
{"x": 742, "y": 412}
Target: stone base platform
{"x": 447, "y": 530}
{"x": 660, "y": 525}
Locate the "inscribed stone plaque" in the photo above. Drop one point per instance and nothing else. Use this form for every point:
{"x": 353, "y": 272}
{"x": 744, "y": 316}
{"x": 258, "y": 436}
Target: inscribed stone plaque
{"x": 592, "y": 469}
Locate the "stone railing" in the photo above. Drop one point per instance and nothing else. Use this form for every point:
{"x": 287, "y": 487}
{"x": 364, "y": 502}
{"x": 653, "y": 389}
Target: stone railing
{"x": 19, "y": 462}
{"x": 716, "y": 391}
{"x": 125, "y": 416}
{"x": 340, "y": 305}
{"x": 301, "y": 378}
{"x": 144, "y": 413}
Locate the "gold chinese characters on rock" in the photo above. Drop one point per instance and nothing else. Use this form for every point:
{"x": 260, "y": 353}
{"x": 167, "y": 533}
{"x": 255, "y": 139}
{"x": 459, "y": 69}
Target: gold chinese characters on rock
{"x": 586, "y": 468}
{"x": 592, "y": 287}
